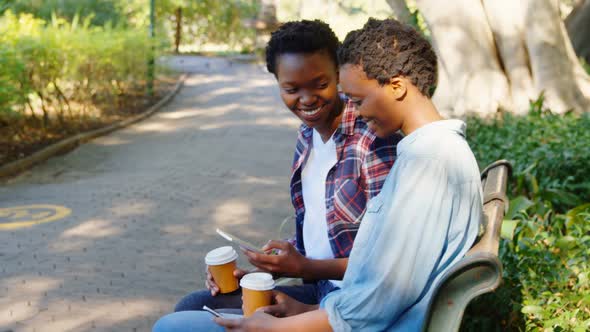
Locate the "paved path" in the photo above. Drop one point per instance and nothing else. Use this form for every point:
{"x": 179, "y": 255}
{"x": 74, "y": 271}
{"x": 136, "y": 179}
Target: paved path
{"x": 144, "y": 205}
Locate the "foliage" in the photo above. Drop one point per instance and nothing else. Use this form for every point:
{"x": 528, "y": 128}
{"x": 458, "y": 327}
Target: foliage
{"x": 417, "y": 20}
{"x": 546, "y": 271}
{"x": 549, "y": 153}
{"x": 548, "y": 261}
{"x": 211, "y": 21}
{"x": 100, "y": 11}
{"x": 586, "y": 65}
{"x": 11, "y": 75}
{"x": 204, "y": 21}
{"x": 53, "y": 67}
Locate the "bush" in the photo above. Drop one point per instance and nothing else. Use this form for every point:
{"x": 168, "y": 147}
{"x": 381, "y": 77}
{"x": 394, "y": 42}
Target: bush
{"x": 54, "y": 66}
{"x": 11, "y": 77}
{"x": 100, "y": 12}
{"x": 547, "y": 262}
{"x": 549, "y": 153}
{"x": 546, "y": 272}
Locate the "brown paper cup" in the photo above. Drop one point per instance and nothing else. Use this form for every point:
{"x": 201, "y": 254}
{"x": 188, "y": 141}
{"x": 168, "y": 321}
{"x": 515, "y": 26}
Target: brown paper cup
{"x": 254, "y": 299}
{"x": 256, "y": 291}
{"x": 224, "y": 277}
{"x": 222, "y": 263}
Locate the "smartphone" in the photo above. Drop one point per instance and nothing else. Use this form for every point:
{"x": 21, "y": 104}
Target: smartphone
{"x": 212, "y": 312}
{"x": 240, "y": 242}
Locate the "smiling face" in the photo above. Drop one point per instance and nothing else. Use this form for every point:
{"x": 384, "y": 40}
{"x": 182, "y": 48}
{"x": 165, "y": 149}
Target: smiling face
{"x": 308, "y": 85}
{"x": 377, "y": 104}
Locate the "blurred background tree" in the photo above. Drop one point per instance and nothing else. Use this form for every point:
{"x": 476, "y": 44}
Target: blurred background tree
{"x": 577, "y": 23}
{"x": 192, "y": 23}
{"x": 500, "y": 54}
{"x": 100, "y": 11}
{"x": 493, "y": 54}
{"x": 198, "y": 23}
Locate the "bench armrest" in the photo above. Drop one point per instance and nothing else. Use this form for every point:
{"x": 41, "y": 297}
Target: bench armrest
{"x": 472, "y": 276}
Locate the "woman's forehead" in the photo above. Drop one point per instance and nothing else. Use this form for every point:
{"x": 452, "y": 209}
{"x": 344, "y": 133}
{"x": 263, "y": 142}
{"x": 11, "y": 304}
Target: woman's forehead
{"x": 353, "y": 79}
{"x": 317, "y": 62}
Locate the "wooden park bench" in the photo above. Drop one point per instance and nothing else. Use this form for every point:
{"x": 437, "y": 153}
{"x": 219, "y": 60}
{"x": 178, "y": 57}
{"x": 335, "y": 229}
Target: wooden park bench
{"x": 480, "y": 271}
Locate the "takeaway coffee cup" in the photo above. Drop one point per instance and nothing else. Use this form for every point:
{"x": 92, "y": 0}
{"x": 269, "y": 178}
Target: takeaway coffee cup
{"x": 256, "y": 291}
{"x": 222, "y": 263}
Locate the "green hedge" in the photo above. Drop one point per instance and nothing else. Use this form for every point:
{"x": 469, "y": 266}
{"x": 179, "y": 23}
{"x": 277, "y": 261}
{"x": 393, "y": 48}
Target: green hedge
{"x": 547, "y": 232}
{"x": 11, "y": 74}
{"x": 64, "y": 69}
{"x": 550, "y": 153}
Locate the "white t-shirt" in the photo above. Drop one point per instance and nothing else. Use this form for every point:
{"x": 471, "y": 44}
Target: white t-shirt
{"x": 321, "y": 159}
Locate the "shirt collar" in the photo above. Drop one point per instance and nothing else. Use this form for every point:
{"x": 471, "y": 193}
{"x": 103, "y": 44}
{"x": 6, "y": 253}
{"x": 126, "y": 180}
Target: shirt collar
{"x": 453, "y": 125}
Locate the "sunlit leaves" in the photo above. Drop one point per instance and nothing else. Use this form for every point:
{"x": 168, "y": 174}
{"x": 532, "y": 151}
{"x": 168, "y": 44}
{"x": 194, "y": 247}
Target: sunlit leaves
{"x": 545, "y": 251}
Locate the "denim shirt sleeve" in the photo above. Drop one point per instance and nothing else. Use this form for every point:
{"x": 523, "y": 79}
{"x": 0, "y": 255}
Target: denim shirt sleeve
{"x": 413, "y": 230}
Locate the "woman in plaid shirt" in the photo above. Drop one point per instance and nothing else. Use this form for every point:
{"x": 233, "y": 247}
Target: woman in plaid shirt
{"x": 339, "y": 165}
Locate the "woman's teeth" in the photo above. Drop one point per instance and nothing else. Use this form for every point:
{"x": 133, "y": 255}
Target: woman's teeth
{"x": 310, "y": 112}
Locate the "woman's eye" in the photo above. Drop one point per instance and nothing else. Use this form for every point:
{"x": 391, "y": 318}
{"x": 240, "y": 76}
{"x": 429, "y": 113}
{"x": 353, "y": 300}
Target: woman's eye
{"x": 290, "y": 90}
{"x": 357, "y": 103}
{"x": 323, "y": 86}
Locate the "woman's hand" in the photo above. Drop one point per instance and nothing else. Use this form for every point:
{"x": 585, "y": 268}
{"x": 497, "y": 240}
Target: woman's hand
{"x": 212, "y": 285}
{"x": 285, "y": 306}
{"x": 288, "y": 262}
{"x": 258, "y": 322}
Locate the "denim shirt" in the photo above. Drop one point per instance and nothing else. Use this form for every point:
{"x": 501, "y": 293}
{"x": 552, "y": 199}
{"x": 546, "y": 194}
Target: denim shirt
{"x": 425, "y": 219}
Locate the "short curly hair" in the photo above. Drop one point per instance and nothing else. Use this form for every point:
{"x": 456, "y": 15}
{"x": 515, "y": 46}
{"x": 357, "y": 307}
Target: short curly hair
{"x": 301, "y": 37}
{"x": 386, "y": 49}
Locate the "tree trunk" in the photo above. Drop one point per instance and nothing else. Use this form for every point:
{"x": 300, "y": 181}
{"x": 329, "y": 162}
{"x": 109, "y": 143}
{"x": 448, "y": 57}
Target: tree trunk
{"x": 498, "y": 54}
{"x": 265, "y": 22}
{"x": 400, "y": 10}
{"x": 578, "y": 28}
{"x": 177, "y": 35}
{"x": 268, "y": 13}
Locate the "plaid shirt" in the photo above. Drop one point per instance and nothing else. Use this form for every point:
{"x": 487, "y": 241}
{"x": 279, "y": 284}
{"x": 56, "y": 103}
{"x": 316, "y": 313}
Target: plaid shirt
{"x": 363, "y": 162}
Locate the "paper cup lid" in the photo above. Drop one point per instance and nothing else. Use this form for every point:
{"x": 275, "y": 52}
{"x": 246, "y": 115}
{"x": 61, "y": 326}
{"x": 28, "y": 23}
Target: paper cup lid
{"x": 258, "y": 281}
{"x": 221, "y": 256}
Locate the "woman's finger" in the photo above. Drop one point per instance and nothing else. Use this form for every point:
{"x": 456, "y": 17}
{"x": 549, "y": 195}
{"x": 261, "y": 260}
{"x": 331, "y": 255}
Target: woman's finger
{"x": 239, "y": 273}
{"x": 212, "y": 287}
{"x": 262, "y": 258}
{"x": 275, "y": 244}
{"x": 275, "y": 310}
{"x": 228, "y": 323}
{"x": 265, "y": 267}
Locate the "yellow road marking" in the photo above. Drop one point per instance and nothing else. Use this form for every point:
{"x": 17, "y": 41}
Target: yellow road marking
{"x": 30, "y": 215}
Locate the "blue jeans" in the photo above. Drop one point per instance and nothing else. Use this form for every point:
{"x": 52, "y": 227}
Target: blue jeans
{"x": 189, "y": 321}
{"x": 309, "y": 293}
{"x": 189, "y": 318}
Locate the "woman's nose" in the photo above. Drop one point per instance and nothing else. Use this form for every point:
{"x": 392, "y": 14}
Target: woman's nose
{"x": 308, "y": 99}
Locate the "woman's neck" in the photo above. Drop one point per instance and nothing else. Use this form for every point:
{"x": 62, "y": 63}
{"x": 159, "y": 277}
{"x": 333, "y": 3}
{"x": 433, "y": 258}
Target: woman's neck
{"x": 418, "y": 114}
{"x": 333, "y": 123}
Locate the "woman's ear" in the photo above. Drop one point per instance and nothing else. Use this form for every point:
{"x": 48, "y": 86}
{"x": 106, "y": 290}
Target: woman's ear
{"x": 399, "y": 87}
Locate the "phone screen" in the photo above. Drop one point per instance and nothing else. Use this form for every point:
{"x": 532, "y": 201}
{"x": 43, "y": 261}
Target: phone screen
{"x": 240, "y": 242}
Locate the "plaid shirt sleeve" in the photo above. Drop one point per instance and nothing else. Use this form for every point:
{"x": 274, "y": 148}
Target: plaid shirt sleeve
{"x": 378, "y": 163}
